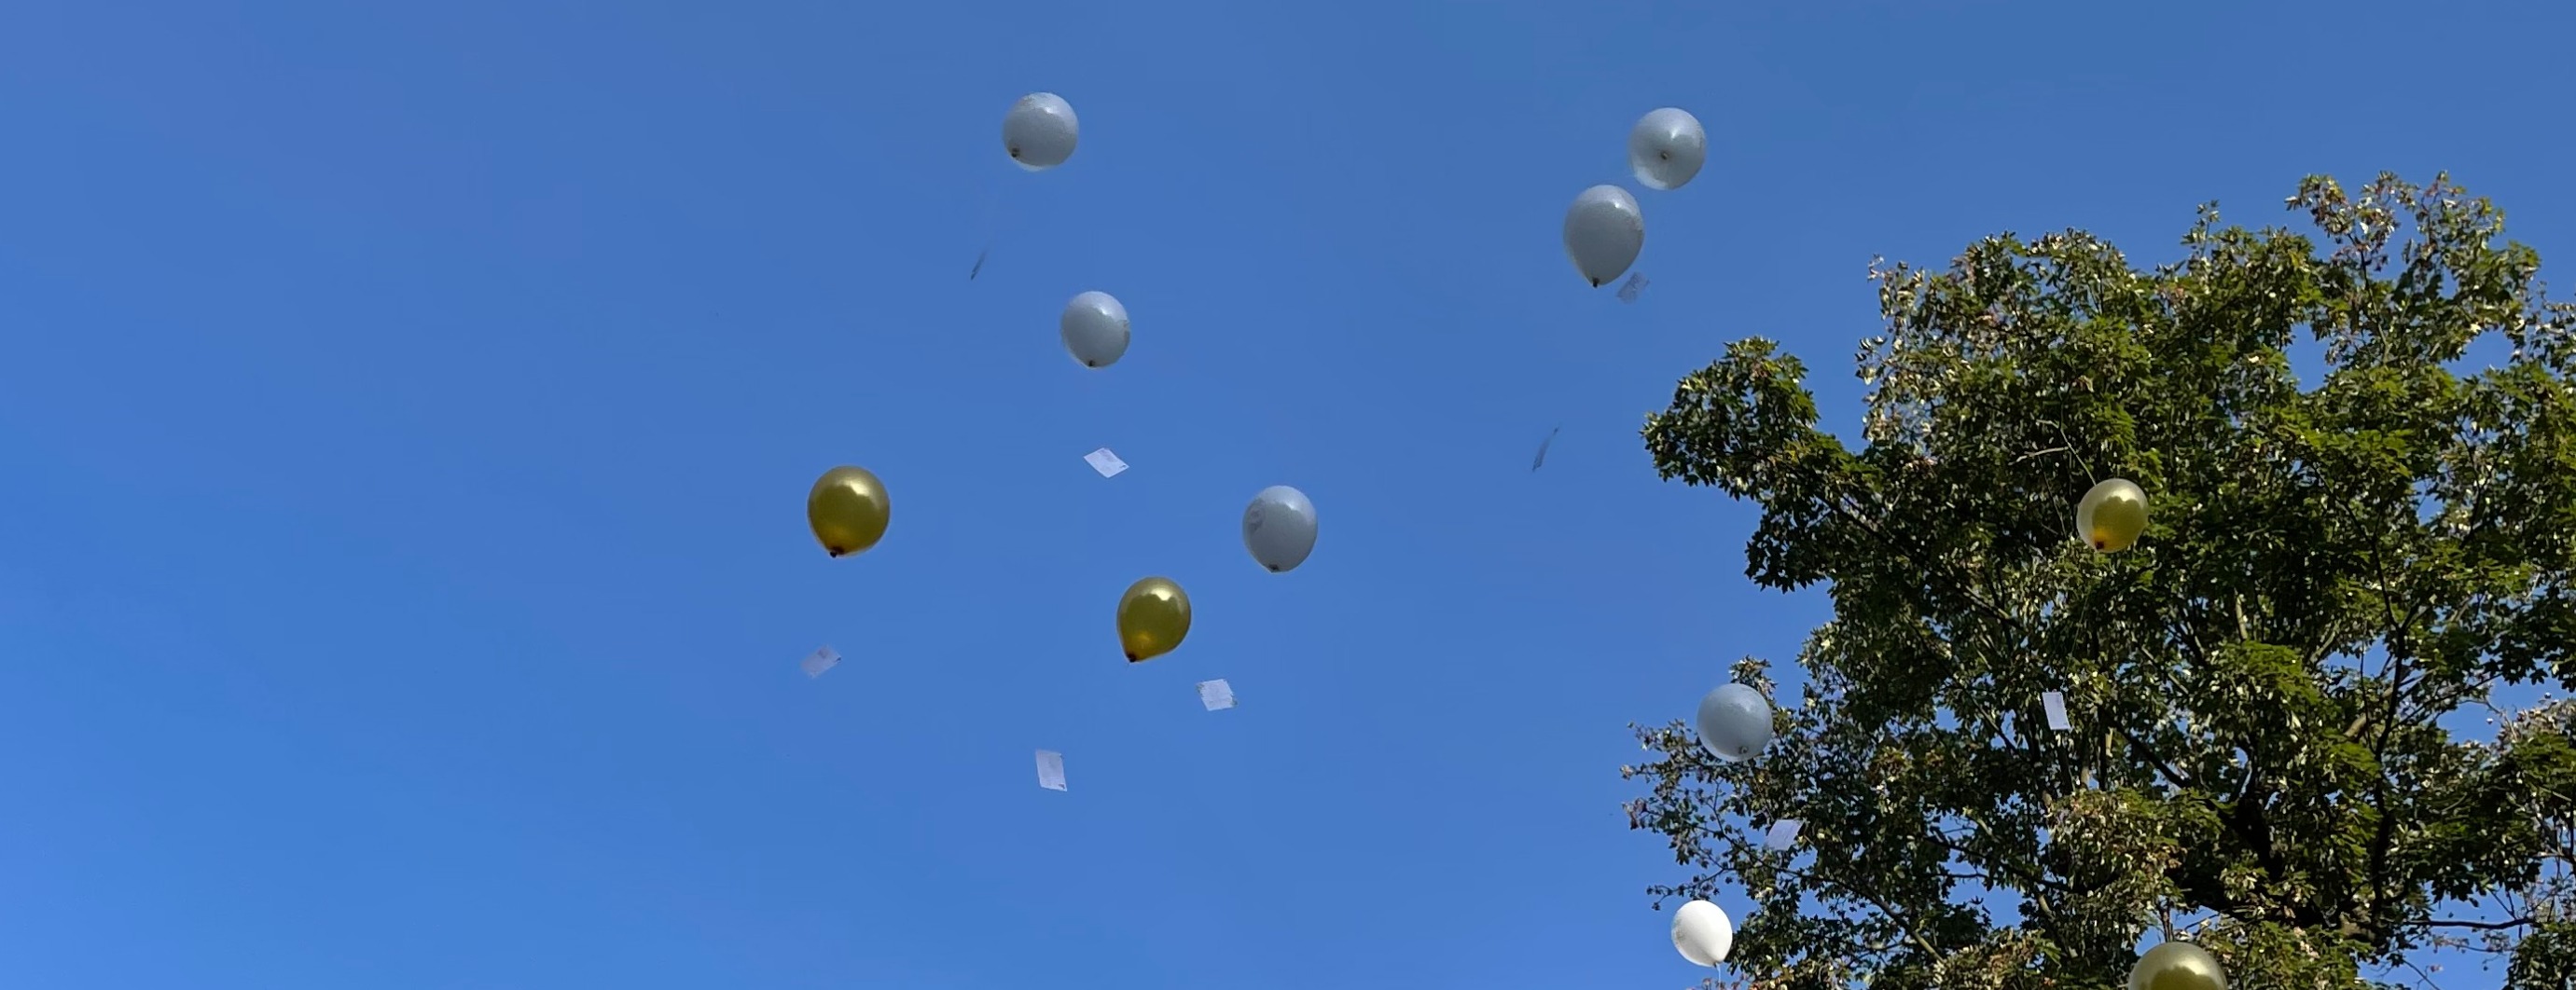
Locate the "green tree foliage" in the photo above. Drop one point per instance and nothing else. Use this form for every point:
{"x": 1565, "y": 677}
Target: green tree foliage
{"x": 2265, "y": 691}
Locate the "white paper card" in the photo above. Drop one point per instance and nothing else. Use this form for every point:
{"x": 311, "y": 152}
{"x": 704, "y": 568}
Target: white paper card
{"x": 1783, "y": 833}
{"x": 1050, "y": 770}
{"x": 2056, "y": 705}
{"x": 1216, "y": 694}
{"x": 1636, "y": 284}
{"x": 821, "y": 660}
{"x": 1105, "y": 462}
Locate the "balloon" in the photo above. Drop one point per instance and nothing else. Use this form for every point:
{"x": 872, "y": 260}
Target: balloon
{"x": 2111, "y": 515}
{"x": 1702, "y": 933}
{"x": 1734, "y": 722}
{"x": 1153, "y": 617}
{"x": 1279, "y": 528}
{"x": 1666, "y": 148}
{"x": 1095, "y": 329}
{"x": 2177, "y": 966}
{"x": 1603, "y": 233}
{"x": 848, "y": 510}
{"x": 1040, "y": 131}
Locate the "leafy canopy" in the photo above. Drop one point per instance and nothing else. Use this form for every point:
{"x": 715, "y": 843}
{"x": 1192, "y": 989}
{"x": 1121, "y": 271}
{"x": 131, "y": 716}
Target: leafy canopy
{"x": 2264, "y": 691}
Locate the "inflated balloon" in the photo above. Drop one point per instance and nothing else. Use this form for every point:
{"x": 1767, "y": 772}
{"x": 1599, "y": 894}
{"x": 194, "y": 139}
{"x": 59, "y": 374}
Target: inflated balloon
{"x": 1702, "y": 932}
{"x": 1666, "y": 148}
{"x": 1604, "y": 231}
{"x": 848, "y": 510}
{"x": 1734, "y": 722}
{"x": 2177, "y": 966}
{"x": 1279, "y": 528}
{"x": 1095, "y": 329}
{"x": 2112, "y": 515}
{"x": 1153, "y": 618}
{"x": 1040, "y": 131}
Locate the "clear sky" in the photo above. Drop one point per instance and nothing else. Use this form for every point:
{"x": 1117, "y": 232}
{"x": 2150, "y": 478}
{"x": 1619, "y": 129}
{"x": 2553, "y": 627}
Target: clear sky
{"x": 406, "y": 412}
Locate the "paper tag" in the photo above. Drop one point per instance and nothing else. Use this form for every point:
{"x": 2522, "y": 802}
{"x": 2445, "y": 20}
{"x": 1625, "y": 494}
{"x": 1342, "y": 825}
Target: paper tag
{"x": 1783, "y": 833}
{"x": 1636, "y": 284}
{"x": 1216, "y": 695}
{"x": 1050, "y": 770}
{"x": 1105, "y": 462}
{"x": 817, "y": 662}
{"x": 2056, "y": 705}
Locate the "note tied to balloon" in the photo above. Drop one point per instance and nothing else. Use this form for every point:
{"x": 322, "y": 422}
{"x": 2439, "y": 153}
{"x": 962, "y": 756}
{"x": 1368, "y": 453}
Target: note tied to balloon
{"x": 1105, "y": 462}
{"x": 1636, "y": 283}
{"x": 1216, "y": 695}
{"x": 2055, "y": 703}
{"x": 1782, "y": 834}
{"x": 821, "y": 660}
{"x": 1050, "y": 770}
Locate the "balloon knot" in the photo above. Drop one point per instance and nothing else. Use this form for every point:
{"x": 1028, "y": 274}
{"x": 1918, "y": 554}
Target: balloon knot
{"x": 1015, "y": 152}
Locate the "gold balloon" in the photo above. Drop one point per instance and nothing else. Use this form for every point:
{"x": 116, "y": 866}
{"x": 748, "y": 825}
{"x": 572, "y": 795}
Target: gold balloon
{"x": 2112, "y": 515}
{"x": 848, "y": 510}
{"x": 2177, "y": 966}
{"x": 1153, "y": 617}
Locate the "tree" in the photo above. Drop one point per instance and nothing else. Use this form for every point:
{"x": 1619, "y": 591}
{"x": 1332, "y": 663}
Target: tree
{"x": 2264, "y": 691}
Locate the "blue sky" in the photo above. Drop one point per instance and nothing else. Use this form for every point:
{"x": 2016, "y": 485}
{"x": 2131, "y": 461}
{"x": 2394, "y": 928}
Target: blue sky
{"x": 406, "y": 412}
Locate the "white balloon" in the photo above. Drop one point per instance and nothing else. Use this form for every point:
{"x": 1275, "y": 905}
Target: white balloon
{"x": 1604, "y": 231}
{"x": 1094, "y": 325}
{"x": 1734, "y": 723}
{"x": 1040, "y": 131}
{"x": 1279, "y": 528}
{"x": 1666, "y": 148}
{"x": 1702, "y": 932}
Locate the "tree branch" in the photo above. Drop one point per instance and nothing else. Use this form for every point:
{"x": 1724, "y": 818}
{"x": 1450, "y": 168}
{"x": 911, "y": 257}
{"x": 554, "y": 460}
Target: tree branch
{"x": 2401, "y": 654}
{"x": 2472, "y": 925}
{"x": 1903, "y": 922}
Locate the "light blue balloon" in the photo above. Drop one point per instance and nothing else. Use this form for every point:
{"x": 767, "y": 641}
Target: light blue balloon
{"x": 1604, "y": 231}
{"x": 1094, "y": 327}
{"x": 1666, "y": 148}
{"x": 1279, "y": 528}
{"x": 1040, "y": 131}
{"x": 1734, "y": 723}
